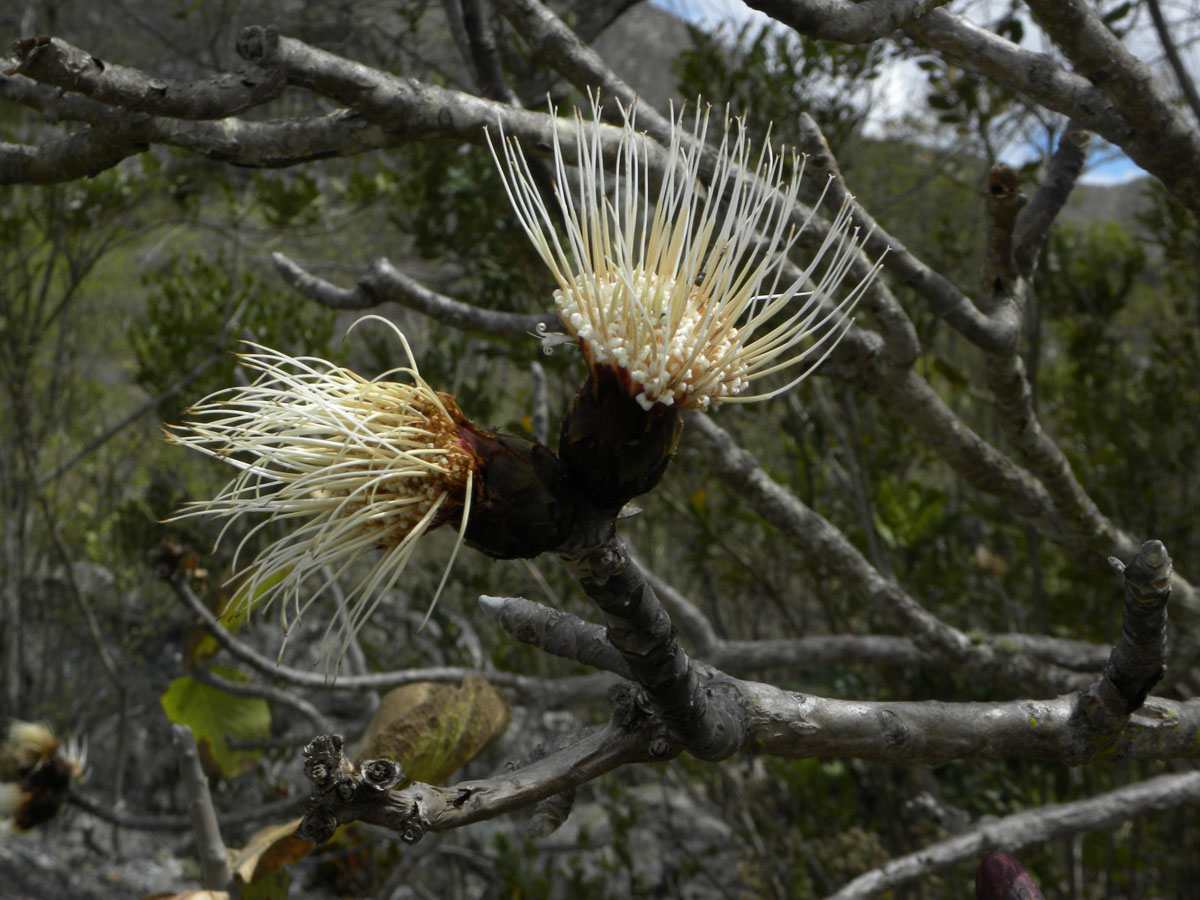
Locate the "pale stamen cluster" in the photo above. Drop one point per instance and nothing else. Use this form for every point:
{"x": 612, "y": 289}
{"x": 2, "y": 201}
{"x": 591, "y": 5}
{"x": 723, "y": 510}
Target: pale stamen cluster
{"x": 681, "y": 287}
{"x": 363, "y": 466}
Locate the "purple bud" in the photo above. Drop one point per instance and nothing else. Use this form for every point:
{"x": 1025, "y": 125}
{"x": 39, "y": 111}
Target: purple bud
{"x": 1000, "y": 877}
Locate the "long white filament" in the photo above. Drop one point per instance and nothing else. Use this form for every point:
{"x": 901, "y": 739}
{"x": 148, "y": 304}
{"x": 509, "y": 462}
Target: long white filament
{"x": 680, "y": 287}
{"x": 364, "y": 465}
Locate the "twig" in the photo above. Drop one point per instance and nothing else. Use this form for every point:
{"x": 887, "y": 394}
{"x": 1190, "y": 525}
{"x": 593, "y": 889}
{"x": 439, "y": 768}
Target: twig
{"x": 556, "y": 632}
{"x": 342, "y": 794}
{"x": 485, "y": 57}
{"x": 181, "y": 822}
{"x": 846, "y": 23}
{"x": 382, "y": 282}
{"x": 786, "y": 723}
{"x": 1138, "y": 660}
{"x": 82, "y": 155}
{"x": 1186, "y": 85}
{"x": 1003, "y": 286}
{"x": 549, "y": 692}
{"x": 265, "y": 691}
{"x": 1128, "y": 110}
{"x": 54, "y": 61}
{"x": 939, "y": 292}
{"x": 1033, "y": 227}
{"x": 239, "y": 142}
{"x": 569, "y": 637}
{"x": 763, "y": 718}
{"x": 214, "y": 859}
{"x": 1081, "y": 526}
{"x": 821, "y": 541}
{"x": 1036, "y": 75}
{"x": 691, "y": 622}
{"x": 1027, "y": 829}
{"x": 641, "y": 630}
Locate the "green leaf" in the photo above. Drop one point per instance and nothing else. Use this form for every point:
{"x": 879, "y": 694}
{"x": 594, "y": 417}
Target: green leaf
{"x": 245, "y": 601}
{"x": 215, "y": 715}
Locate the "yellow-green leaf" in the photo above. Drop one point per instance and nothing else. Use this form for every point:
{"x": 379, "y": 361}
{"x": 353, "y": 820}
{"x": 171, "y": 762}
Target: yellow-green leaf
{"x": 433, "y": 729}
{"x": 215, "y": 715}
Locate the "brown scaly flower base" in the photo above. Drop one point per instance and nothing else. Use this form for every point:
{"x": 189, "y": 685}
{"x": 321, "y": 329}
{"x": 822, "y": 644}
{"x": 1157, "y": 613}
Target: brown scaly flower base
{"x": 614, "y": 449}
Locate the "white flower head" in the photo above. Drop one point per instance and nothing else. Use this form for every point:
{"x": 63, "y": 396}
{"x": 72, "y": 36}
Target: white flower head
{"x": 680, "y": 288}
{"x": 362, "y": 466}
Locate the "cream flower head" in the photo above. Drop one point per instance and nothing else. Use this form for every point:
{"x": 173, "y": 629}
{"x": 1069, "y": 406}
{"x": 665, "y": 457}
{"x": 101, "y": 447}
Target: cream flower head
{"x": 681, "y": 288}
{"x": 363, "y": 466}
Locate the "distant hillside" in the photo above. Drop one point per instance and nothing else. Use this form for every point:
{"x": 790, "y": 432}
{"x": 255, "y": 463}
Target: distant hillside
{"x": 1099, "y": 202}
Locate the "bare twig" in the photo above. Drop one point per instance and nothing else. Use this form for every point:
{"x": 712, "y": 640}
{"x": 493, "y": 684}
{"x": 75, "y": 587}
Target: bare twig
{"x": 1082, "y": 527}
{"x": 265, "y": 691}
{"x": 1072, "y": 728}
{"x": 1033, "y": 227}
{"x": 324, "y": 292}
{"x": 485, "y": 56}
{"x": 1182, "y": 76}
{"x": 784, "y": 723}
{"x": 214, "y": 859}
{"x": 1116, "y": 99}
{"x": 943, "y": 297}
{"x": 1138, "y": 661}
{"x": 382, "y": 282}
{"x": 1003, "y": 286}
{"x": 1036, "y": 75}
{"x": 1027, "y": 829}
{"x": 691, "y": 622}
{"x": 556, "y": 632}
{"x": 82, "y": 155}
{"x": 847, "y": 23}
{"x": 339, "y": 797}
{"x": 547, "y": 692}
{"x": 53, "y": 61}
{"x": 641, "y": 630}
{"x": 1165, "y": 139}
{"x": 562, "y": 634}
{"x": 235, "y": 141}
{"x": 820, "y": 540}
{"x": 182, "y": 822}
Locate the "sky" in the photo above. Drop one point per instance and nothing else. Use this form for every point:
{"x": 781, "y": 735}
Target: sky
{"x": 1107, "y": 164}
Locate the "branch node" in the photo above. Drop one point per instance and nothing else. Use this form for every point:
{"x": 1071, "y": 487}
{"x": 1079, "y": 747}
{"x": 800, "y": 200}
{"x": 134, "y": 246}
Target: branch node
{"x": 317, "y": 826}
{"x": 630, "y": 706}
{"x": 259, "y": 44}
